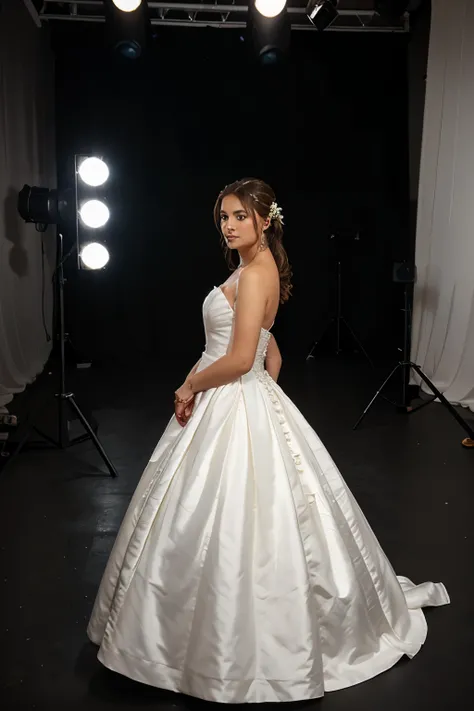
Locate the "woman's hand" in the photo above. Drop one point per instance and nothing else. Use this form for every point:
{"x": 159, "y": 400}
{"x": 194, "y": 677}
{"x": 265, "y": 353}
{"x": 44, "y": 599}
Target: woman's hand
{"x": 183, "y": 410}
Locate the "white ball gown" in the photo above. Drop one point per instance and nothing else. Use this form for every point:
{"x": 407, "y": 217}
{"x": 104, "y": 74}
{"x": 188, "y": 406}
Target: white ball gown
{"x": 244, "y": 569}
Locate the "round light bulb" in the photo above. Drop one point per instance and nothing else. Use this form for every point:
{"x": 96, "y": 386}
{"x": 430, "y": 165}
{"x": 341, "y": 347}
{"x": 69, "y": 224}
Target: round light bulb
{"x": 95, "y": 255}
{"x": 127, "y": 5}
{"x": 270, "y": 8}
{"x": 93, "y": 171}
{"x": 94, "y": 213}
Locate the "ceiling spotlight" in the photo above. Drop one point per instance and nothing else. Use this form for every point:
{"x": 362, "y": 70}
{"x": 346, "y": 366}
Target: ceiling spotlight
{"x": 269, "y": 37}
{"x": 322, "y": 13}
{"x": 93, "y": 171}
{"x": 94, "y": 255}
{"x": 127, "y": 27}
{"x": 129, "y": 49}
{"x": 127, "y": 5}
{"x": 94, "y": 213}
{"x": 270, "y": 8}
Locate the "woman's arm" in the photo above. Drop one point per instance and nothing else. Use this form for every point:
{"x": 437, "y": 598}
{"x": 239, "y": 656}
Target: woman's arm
{"x": 183, "y": 412}
{"x": 273, "y": 359}
{"x": 249, "y": 315}
{"x": 222, "y": 371}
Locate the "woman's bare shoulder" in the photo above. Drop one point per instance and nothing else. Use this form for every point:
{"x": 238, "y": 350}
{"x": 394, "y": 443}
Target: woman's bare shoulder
{"x": 265, "y": 273}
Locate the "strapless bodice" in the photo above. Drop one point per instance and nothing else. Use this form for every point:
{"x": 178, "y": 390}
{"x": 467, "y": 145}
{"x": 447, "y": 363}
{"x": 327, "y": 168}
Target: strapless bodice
{"x": 218, "y": 317}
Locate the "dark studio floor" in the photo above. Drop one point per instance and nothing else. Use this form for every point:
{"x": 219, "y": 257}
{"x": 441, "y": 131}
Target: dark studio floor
{"x": 60, "y": 511}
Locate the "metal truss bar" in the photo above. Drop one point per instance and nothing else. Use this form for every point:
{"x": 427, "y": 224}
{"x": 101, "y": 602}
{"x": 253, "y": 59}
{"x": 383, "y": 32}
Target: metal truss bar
{"x": 32, "y": 10}
{"x": 203, "y": 7}
{"x": 227, "y": 24}
{"x": 229, "y": 16}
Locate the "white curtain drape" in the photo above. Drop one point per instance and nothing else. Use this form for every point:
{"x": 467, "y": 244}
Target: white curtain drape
{"x": 443, "y": 318}
{"x": 26, "y": 156}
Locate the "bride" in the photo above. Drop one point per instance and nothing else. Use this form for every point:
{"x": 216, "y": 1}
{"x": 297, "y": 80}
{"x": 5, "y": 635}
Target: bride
{"x": 244, "y": 569}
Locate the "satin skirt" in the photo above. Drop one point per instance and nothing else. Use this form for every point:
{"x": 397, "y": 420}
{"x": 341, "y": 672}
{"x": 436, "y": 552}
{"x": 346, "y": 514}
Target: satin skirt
{"x": 244, "y": 569}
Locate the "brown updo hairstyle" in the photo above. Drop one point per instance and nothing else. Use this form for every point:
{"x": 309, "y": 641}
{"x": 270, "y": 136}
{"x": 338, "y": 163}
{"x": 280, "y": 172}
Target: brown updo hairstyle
{"x": 257, "y": 197}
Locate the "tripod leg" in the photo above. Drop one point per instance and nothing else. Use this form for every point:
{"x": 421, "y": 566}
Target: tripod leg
{"x": 18, "y": 447}
{"x": 357, "y": 341}
{"x": 318, "y": 340}
{"x": 443, "y": 400}
{"x": 399, "y": 365}
{"x": 92, "y": 435}
{"x": 63, "y": 428}
{"x": 29, "y": 428}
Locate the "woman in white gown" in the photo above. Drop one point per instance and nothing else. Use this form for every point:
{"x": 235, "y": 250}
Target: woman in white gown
{"x": 244, "y": 570}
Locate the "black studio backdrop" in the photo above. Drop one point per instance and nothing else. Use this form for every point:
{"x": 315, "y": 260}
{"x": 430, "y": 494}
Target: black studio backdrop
{"x": 329, "y": 132}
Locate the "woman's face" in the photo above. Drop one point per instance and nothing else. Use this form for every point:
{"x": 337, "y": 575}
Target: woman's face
{"x": 237, "y": 224}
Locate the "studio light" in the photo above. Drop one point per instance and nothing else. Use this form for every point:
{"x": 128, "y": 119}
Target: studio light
{"x": 76, "y": 209}
{"x": 127, "y": 5}
{"x": 94, "y": 214}
{"x": 128, "y": 27}
{"x": 270, "y": 8}
{"x": 42, "y": 205}
{"x": 322, "y": 13}
{"x": 93, "y": 171}
{"x": 94, "y": 255}
{"x": 269, "y": 35}
{"x": 129, "y": 49}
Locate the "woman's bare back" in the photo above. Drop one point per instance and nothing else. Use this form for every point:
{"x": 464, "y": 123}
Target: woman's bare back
{"x": 268, "y": 272}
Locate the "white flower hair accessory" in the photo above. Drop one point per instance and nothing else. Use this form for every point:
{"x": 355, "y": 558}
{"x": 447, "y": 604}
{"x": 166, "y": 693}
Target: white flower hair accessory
{"x": 276, "y": 213}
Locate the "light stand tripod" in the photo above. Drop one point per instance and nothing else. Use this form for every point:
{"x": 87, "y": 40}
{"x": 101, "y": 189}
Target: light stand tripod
{"x": 338, "y": 319}
{"x": 405, "y": 366}
{"x": 64, "y": 398}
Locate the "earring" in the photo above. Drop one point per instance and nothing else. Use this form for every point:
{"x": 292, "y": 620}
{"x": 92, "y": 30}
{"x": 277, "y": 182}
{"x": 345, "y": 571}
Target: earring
{"x": 262, "y": 242}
